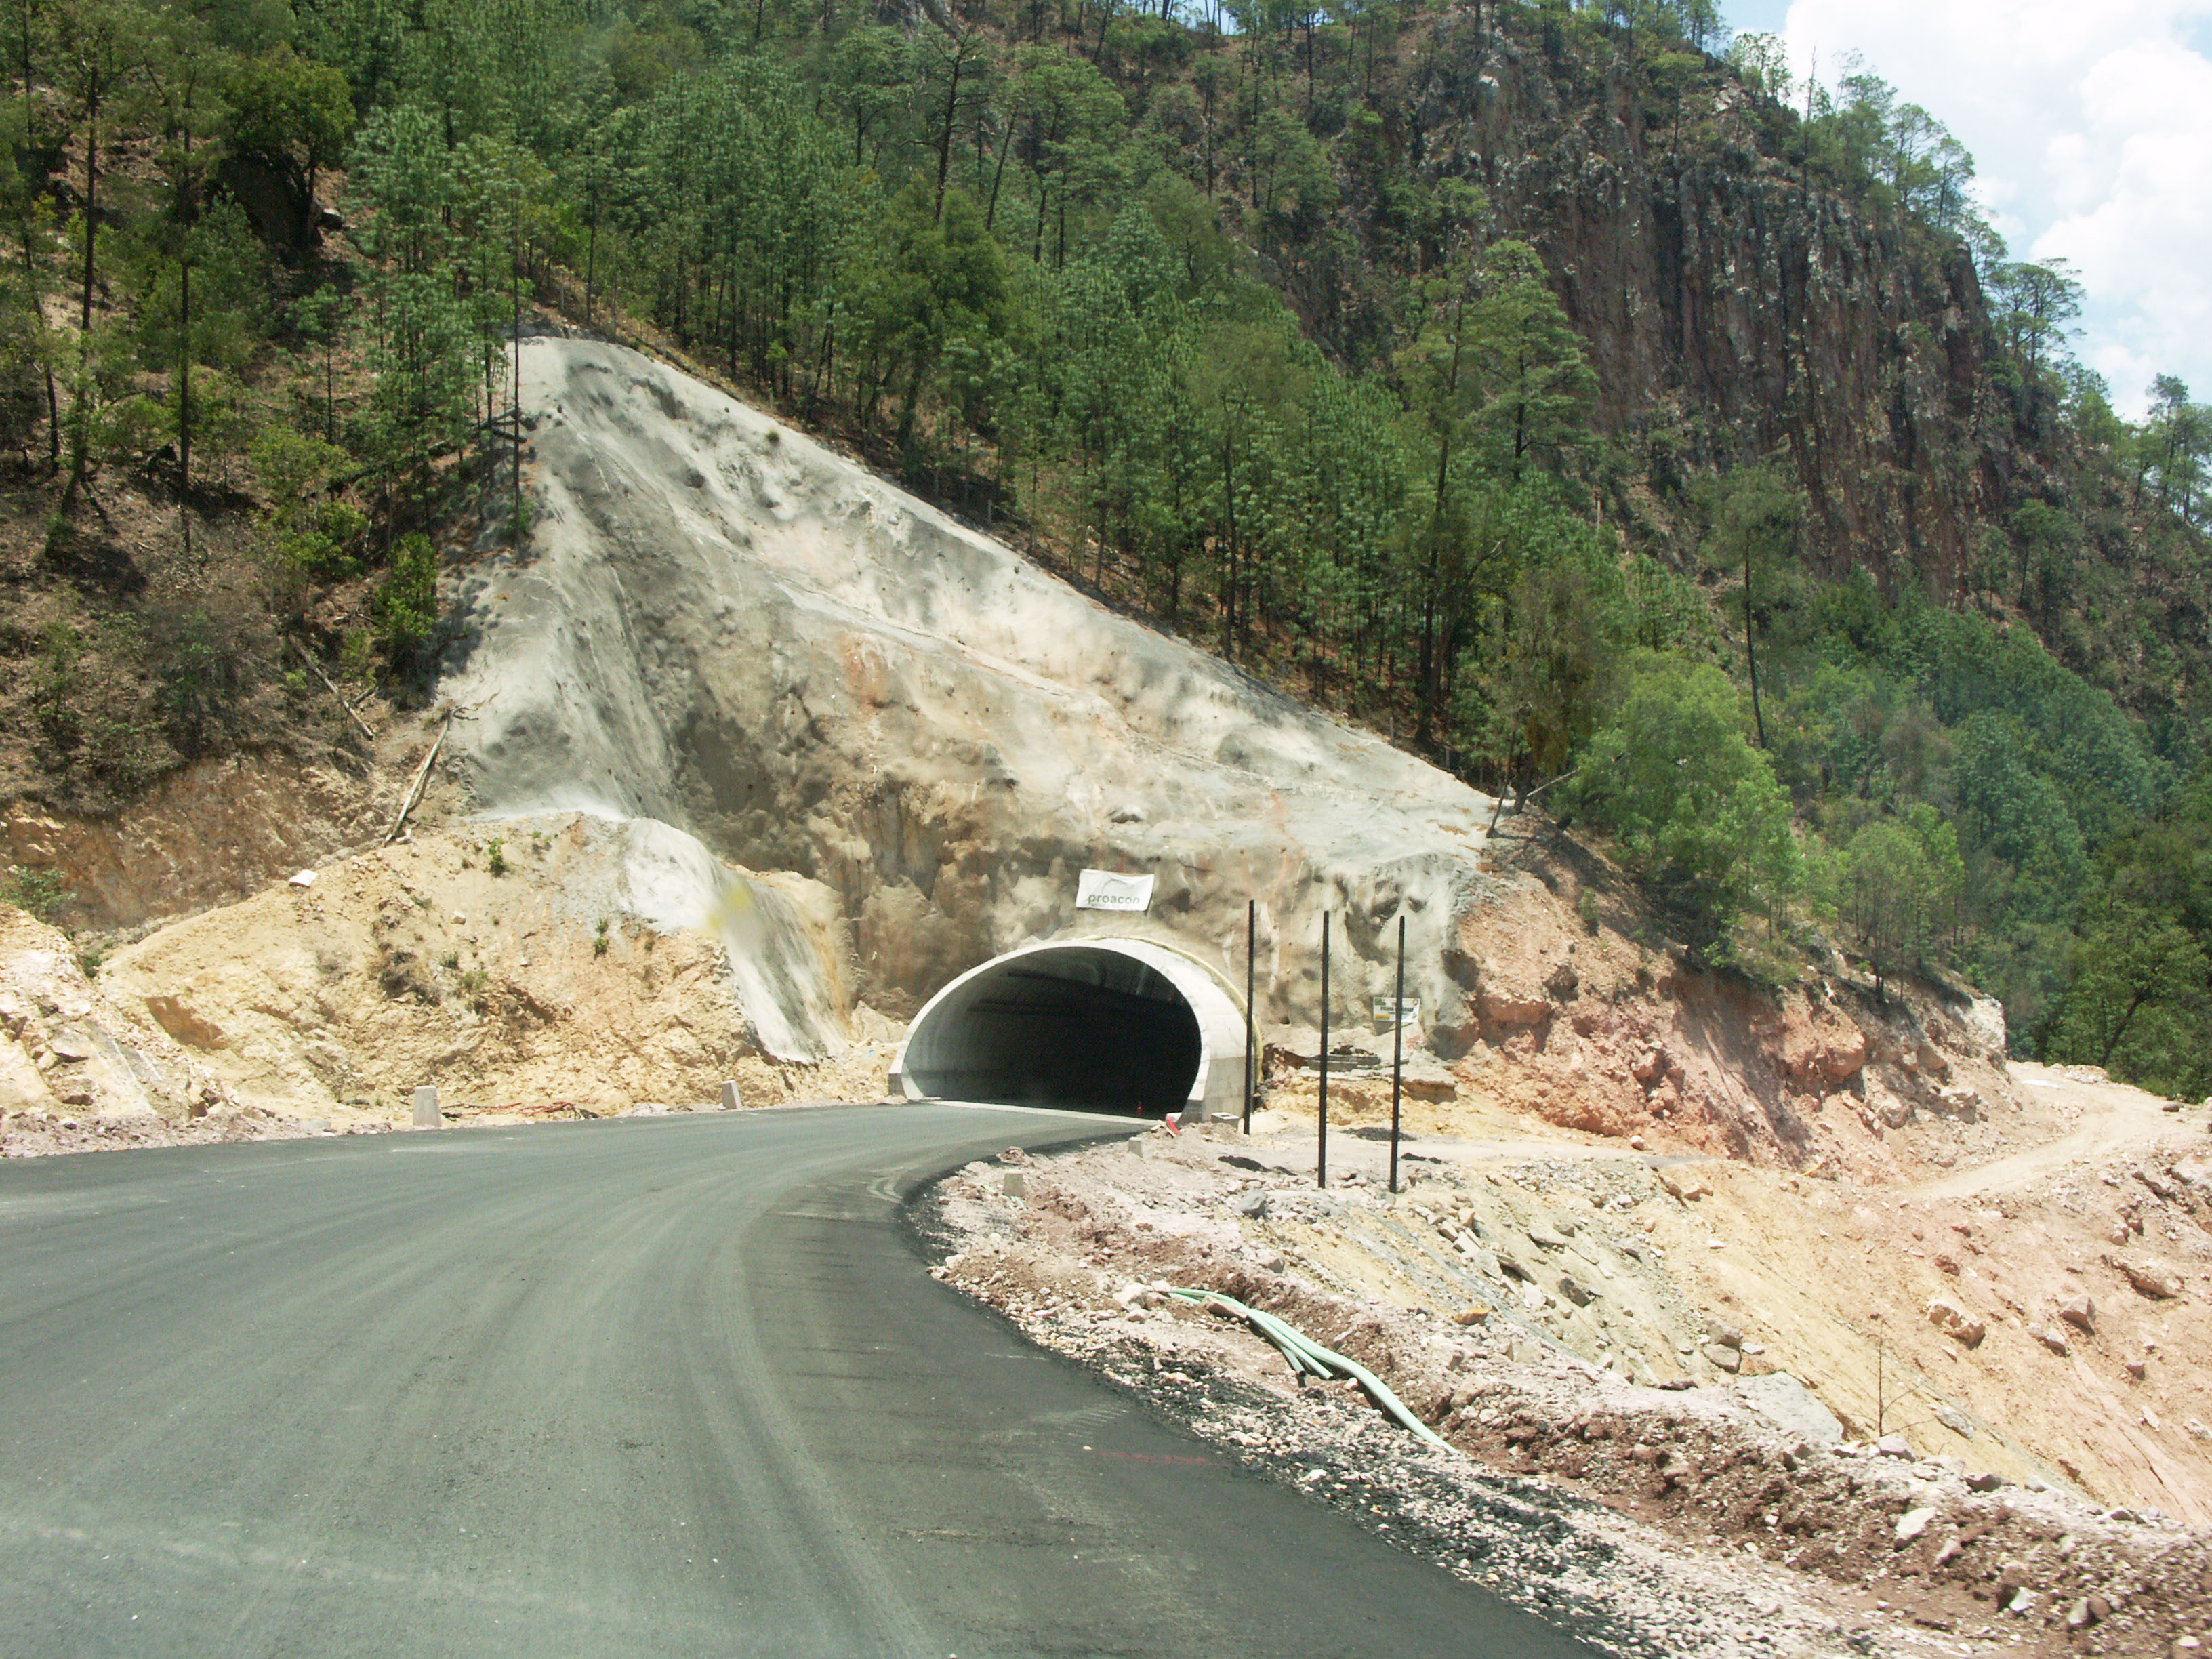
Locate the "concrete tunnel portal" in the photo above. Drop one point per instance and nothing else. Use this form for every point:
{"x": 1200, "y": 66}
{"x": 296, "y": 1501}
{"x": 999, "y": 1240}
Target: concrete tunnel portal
{"x": 1101, "y": 1024}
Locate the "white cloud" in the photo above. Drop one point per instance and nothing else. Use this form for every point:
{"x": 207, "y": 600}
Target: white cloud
{"x": 2092, "y": 127}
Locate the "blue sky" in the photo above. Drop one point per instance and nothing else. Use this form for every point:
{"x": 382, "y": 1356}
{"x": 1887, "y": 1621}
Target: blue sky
{"x": 2091, "y": 125}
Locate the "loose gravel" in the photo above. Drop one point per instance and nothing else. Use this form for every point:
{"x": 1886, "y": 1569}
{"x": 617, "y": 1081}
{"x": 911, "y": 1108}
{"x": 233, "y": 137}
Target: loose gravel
{"x": 1648, "y": 1519}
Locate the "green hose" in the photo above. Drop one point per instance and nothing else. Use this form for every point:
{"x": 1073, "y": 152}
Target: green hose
{"x": 1307, "y": 1355}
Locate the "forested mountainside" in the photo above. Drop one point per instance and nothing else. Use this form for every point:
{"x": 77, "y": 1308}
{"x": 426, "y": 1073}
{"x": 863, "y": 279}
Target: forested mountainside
{"x": 1558, "y": 388}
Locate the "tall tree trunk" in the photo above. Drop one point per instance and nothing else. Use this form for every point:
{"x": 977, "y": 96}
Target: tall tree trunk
{"x": 37, "y": 305}
{"x": 2120, "y": 1029}
{"x": 999, "y": 174}
{"x": 951, "y": 113}
{"x": 30, "y": 267}
{"x": 515, "y": 280}
{"x": 1750, "y": 650}
{"x": 184, "y": 378}
{"x": 591, "y": 249}
{"x": 1229, "y": 583}
{"x": 80, "y": 444}
{"x": 184, "y": 343}
{"x": 913, "y": 396}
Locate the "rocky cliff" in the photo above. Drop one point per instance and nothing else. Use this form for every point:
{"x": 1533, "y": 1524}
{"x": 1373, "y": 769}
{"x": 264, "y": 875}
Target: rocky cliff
{"x": 1731, "y": 305}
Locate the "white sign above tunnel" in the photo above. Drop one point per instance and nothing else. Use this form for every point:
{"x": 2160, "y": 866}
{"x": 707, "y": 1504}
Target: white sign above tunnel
{"x": 1102, "y": 890}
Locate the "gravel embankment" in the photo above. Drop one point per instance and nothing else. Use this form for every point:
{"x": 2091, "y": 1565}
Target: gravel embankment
{"x": 1673, "y": 1519}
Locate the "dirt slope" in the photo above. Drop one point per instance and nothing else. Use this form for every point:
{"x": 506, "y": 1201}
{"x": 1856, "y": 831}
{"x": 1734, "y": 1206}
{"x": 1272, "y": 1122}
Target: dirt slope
{"x": 552, "y": 974}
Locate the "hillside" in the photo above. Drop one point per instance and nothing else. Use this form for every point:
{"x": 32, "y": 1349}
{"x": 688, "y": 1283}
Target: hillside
{"x": 1501, "y": 377}
{"x": 744, "y": 750}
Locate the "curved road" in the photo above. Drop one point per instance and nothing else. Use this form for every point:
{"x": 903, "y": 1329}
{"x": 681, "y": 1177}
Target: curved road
{"x": 656, "y": 1387}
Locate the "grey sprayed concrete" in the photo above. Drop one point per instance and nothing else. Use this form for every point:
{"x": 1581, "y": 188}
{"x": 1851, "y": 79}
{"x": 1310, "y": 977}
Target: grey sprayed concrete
{"x": 718, "y": 625}
{"x": 668, "y": 1386}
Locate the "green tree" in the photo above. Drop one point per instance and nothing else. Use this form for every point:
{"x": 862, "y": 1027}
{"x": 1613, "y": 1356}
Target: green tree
{"x": 292, "y": 114}
{"x": 98, "y": 58}
{"x": 422, "y": 345}
{"x": 2036, "y": 308}
{"x": 1758, "y": 517}
{"x": 1896, "y": 885}
{"x": 2140, "y": 998}
{"x": 2139, "y": 993}
{"x": 940, "y": 285}
{"x": 405, "y": 606}
{"x": 1694, "y": 807}
{"x": 1535, "y": 385}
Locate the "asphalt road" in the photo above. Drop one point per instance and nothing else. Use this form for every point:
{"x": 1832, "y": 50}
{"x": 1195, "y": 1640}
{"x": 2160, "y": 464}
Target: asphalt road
{"x": 654, "y": 1386}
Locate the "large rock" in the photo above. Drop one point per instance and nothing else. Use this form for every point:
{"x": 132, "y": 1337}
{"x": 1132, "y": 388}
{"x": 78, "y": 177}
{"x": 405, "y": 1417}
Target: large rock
{"x": 1790, "y": 1406}
{"x": 724, "y": 627}
{"x": 2154, "y": 1279}
{"x": 1955, "y": 1322}
{"x": 65, "y": 1042}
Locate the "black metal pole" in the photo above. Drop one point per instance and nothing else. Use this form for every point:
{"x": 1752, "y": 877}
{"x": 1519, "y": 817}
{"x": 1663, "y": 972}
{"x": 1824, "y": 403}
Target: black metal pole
{"x": 1320, "y": 1153}
{"x": 1397, "y": 1050}
{"x": 1251, "y": 974}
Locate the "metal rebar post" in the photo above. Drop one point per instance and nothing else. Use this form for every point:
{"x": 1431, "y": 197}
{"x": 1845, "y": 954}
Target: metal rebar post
{"x": 1397, "y": 1050}
{"x": 1320, "y": 1151}
{"x": 1251, "y": 977}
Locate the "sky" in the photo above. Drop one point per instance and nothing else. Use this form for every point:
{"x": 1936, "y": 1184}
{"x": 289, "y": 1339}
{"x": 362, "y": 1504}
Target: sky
{"x": 2090, "y": 122}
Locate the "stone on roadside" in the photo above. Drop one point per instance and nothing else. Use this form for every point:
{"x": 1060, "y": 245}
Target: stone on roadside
{"x": 2154, "y": 1279}
{"x": 1912, "y": 1523}
{"x": 1952, "y": 1418}
{"x": 1791, "y": 1406}
{"x": 2080, "y": 1312}
{"x": 1955, "y": 1322}
{"x": 1683, "y": 1186}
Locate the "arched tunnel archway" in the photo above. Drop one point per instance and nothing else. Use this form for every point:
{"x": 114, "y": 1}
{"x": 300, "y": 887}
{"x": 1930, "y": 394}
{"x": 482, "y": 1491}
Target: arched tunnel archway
{"x": 1102, "y": 1024}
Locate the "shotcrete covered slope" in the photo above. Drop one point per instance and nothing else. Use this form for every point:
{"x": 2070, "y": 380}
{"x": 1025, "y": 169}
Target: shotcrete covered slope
{"x": 720, "y": 624}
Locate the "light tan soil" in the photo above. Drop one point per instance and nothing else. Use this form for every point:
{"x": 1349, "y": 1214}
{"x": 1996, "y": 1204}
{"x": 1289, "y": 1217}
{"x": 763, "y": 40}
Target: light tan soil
{"x": 1827, "y": 1281}
{"x": 529, "y": 994}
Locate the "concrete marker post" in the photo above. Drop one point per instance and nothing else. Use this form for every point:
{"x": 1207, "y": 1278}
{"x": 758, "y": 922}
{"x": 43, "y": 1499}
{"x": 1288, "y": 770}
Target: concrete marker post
{"x": 1397, "y": 1049}
{"x": 1321, "y": 1146}
{"x": 1251, "y": 974}
{"x": 426, "y": 1108}
{"x": 730, "y": 1101}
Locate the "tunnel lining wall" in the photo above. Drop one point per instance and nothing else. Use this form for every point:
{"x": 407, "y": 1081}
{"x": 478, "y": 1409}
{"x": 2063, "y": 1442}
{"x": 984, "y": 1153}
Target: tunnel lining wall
{"x": 1093, "y": 1023}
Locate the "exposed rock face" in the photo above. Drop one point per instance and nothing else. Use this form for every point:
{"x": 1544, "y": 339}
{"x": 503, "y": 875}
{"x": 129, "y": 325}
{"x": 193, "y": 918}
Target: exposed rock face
{"x": 598, "y": 966}
{"x": 203, "y": 835}
{"x": 1712, "y": 285}
{"x": 70, "y": 1050}
{"x": 721, "y": 625}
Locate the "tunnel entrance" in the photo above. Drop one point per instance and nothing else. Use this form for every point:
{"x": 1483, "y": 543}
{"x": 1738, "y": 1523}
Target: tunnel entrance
{"x": 1105, "y": 1025}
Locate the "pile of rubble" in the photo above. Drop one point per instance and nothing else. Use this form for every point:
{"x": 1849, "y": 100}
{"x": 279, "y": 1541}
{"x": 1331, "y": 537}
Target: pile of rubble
{"x": 1712, "y": 1508}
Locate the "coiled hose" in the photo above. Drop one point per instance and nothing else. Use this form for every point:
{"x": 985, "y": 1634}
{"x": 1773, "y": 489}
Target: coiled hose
{"x": 1308, "y": 1355}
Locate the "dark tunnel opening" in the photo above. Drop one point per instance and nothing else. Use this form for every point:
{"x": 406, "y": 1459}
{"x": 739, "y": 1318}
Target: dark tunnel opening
{"x": 1086, "y": 1029}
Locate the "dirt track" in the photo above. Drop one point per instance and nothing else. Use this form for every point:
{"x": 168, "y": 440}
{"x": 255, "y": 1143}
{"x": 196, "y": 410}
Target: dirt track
{"x": 2114, "y": 1121}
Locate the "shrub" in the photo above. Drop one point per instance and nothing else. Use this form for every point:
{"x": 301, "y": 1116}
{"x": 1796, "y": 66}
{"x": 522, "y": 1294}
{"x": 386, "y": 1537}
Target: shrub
{"x": 406, "y": 602}
{"x": 1695, "y": 808}
{"x": 39, "y": 892}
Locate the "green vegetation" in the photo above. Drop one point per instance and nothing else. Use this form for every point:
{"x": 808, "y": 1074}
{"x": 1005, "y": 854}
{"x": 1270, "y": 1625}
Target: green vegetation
{"x": 39, "y": 892}
{"x": 1221, "y": 323}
